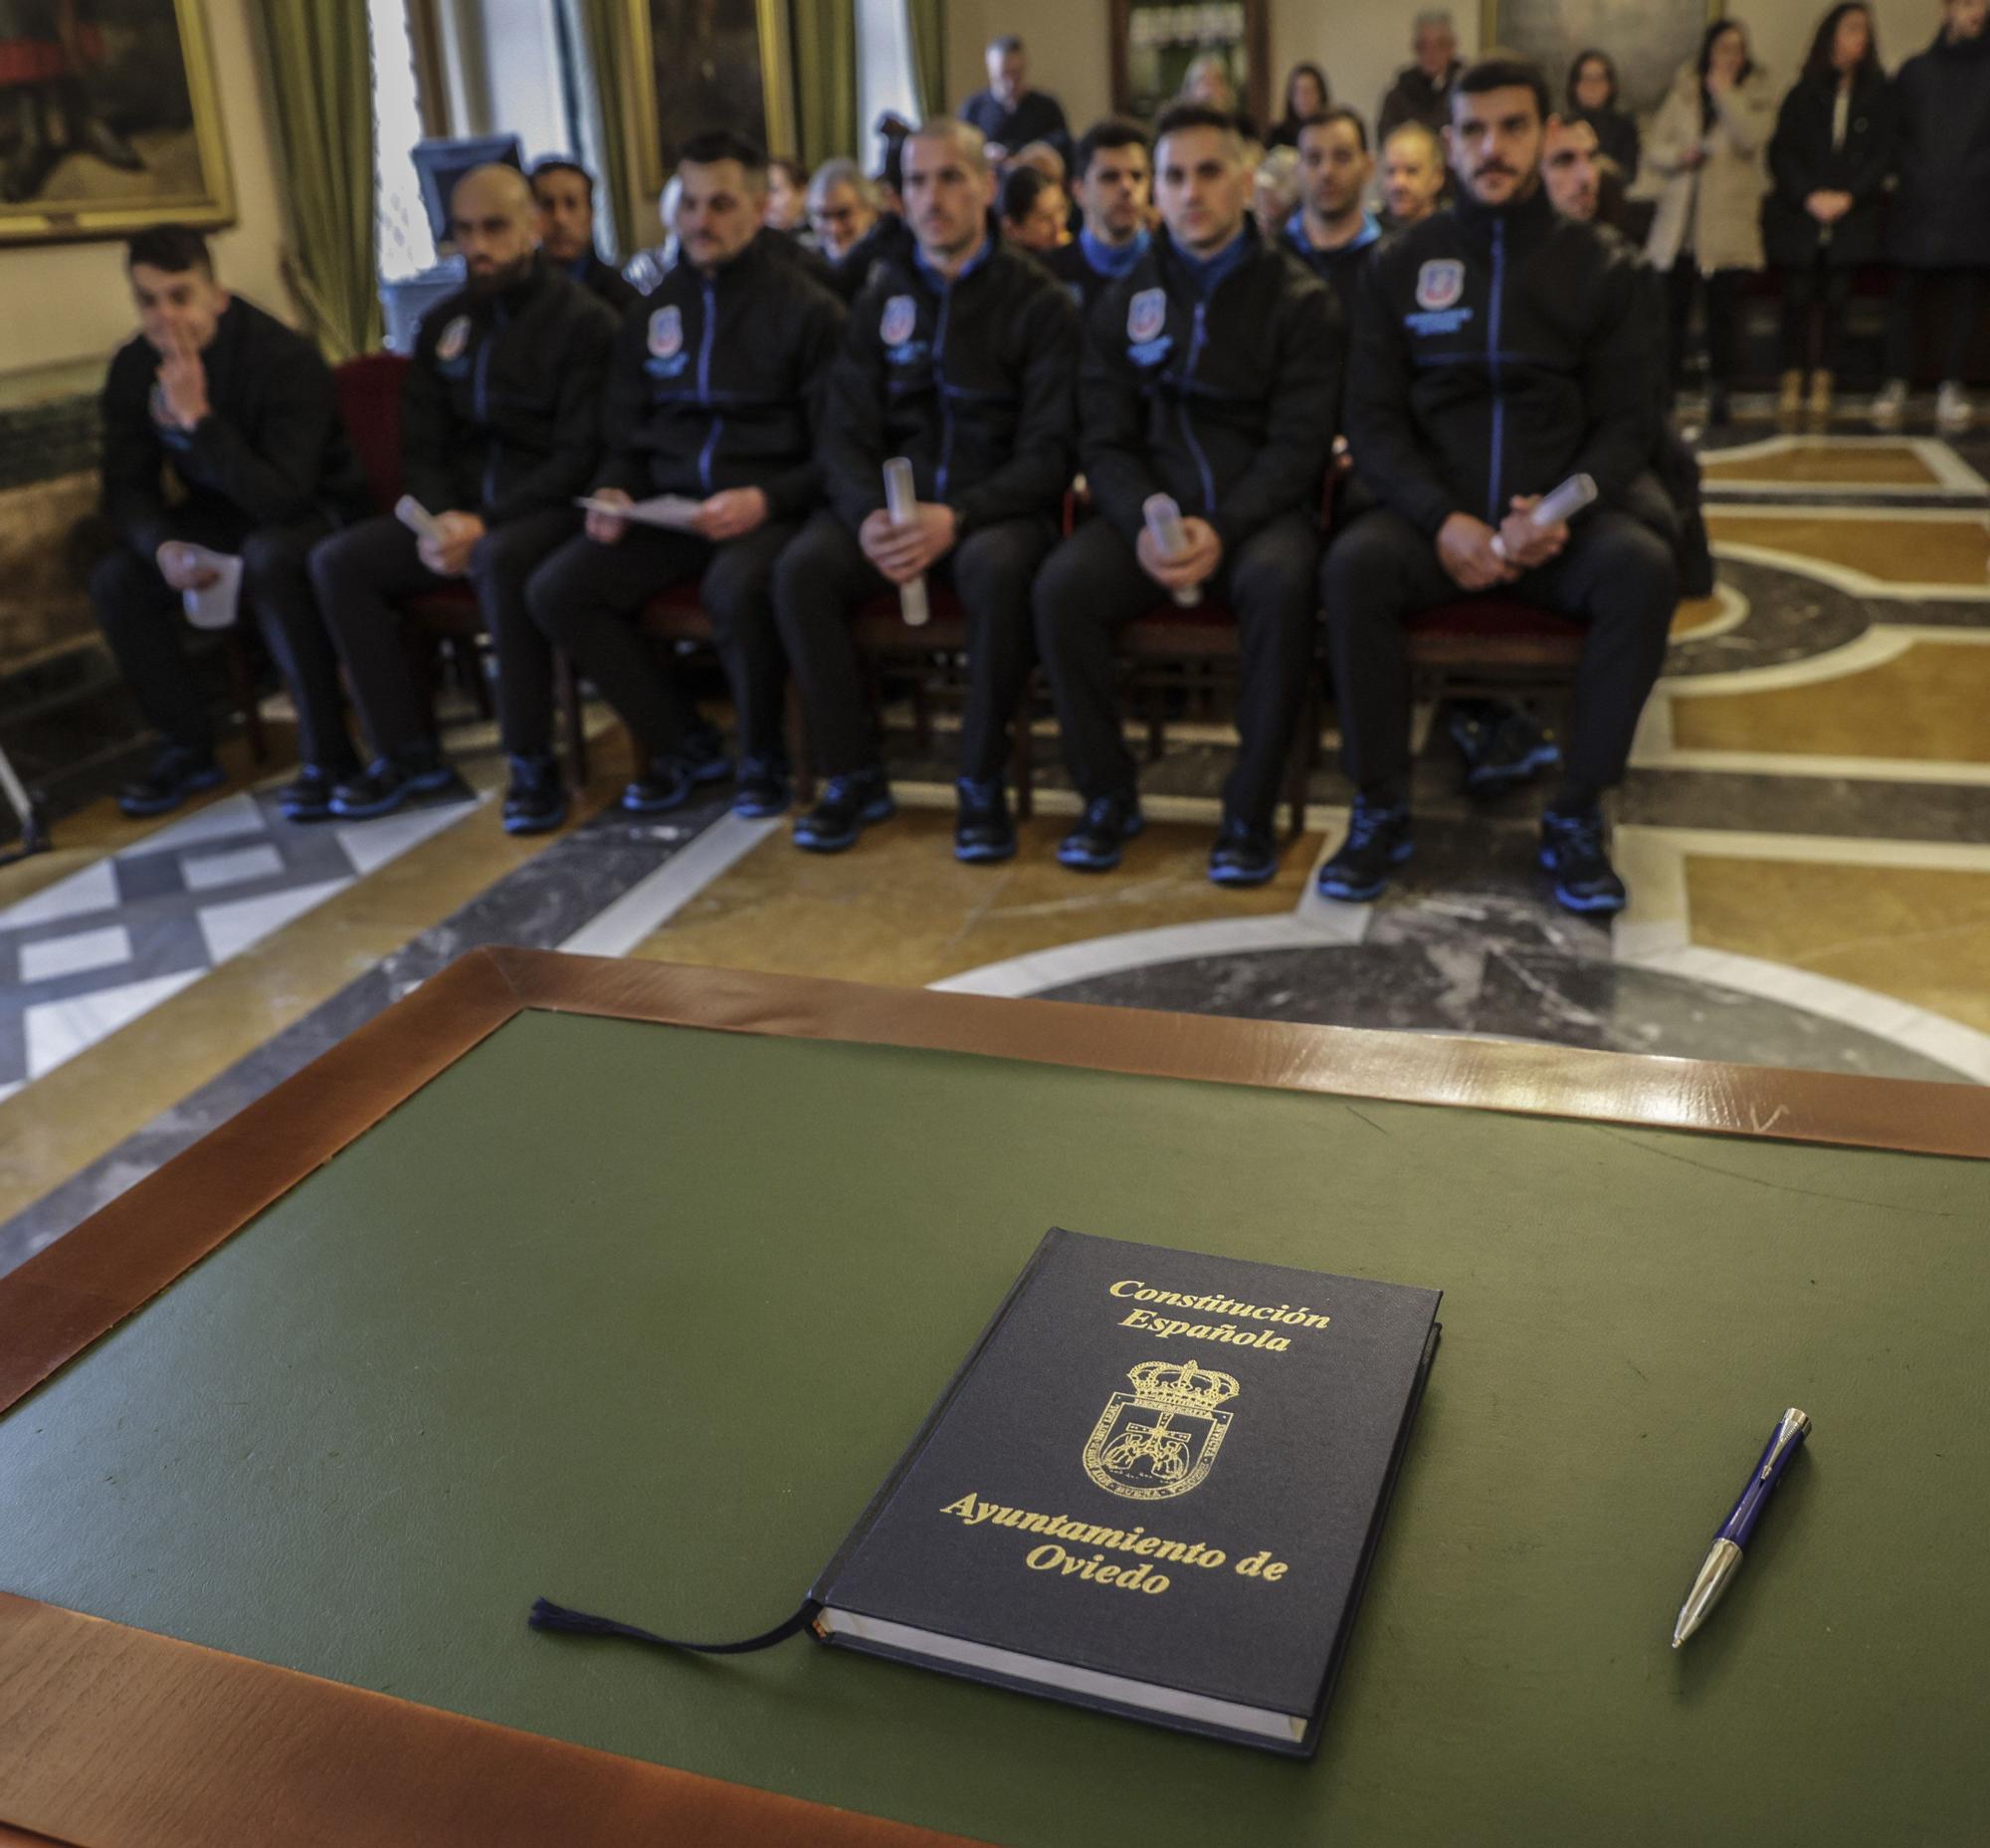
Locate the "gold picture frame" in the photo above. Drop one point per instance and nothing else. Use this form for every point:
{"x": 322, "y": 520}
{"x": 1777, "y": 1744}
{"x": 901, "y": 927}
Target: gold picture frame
{"x": 100, "y": 100}
{"x": 718, "y": 81}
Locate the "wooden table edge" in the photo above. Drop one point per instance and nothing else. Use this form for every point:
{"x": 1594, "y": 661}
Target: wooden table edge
{"x": 112, "y": 1735}
{"x": 73, "y": 1292}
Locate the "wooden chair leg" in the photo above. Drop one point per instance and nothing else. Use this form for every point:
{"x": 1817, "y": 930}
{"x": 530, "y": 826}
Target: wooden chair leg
{"x": 1305, "y": 749}
{"x": 241, "y": 689}
{"x": 1157, "y": 722}
{"x": 798, "y": 747}
{"x": 470, "y": 673}
{"x": 573, "y": 718}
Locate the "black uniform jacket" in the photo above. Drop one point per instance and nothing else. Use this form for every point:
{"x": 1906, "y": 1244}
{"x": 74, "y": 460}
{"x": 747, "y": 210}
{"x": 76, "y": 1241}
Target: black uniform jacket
{"x": 1498, "y": 353}
{"x": 618, "y": 294}
{"x": 971, "y": 381}
{"x": 1803, "y": 161}
{"x": 270, "y": 452}
{"x": 501, "y": 414}
{"x": 717, "y": 379}
{"x": 1227, "y": 401}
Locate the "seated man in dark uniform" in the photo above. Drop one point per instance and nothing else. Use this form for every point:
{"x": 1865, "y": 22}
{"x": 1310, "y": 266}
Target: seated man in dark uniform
{"x": 1332, "y": 233}
{"x": 242, "y": 414}
{"x": 712, "y": 395}
{"x": 1113, "y": 182}
{"x": 499, "y": 431}
{"x": 959, "y": 358}
{"x": 1212, "y": 374}
{"x": 1500, "y": 351}
{"x": 563, "y": 191}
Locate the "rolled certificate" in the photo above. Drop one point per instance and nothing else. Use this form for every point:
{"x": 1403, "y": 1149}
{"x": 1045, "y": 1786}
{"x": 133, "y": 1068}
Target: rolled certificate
{"x": 1565, "y": 502}
{"x": 901, "y": 502}
{"x": 417, "y": 518}
{"x": 1165, "y": 522}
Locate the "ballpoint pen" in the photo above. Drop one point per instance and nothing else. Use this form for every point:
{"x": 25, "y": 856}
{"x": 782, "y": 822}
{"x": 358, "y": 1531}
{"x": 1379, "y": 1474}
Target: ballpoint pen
{"x": 1723, "y": 1559}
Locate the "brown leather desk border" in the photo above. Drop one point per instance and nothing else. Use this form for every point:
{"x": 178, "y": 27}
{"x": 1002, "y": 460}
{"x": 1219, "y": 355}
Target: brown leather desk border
{"x": 75, "y": 1291}
{"x": 111, "y": 1734}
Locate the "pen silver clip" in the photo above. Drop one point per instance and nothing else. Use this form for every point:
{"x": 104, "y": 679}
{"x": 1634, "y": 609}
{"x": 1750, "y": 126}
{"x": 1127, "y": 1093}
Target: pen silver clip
{"x": 1795, "y": 1424}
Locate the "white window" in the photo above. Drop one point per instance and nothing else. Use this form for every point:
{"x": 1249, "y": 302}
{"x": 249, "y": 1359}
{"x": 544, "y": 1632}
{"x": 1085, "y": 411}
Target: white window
{"x": 884, "y": 70}
{"x": 407, "y": 247}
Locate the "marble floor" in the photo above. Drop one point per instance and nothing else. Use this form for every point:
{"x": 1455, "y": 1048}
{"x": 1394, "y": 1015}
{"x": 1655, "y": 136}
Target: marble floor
{"x": 1805, "y": 832}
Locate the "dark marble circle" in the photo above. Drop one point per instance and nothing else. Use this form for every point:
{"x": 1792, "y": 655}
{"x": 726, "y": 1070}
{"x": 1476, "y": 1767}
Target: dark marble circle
{"x": 1436, "y": 981}
{"x": 1790, "y": 617}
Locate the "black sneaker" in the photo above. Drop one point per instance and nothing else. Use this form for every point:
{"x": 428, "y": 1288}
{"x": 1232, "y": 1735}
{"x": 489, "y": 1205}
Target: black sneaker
{"x": 703, "y": 756}
{"x": 764, "y": 788}
{"x": 308, "y": 796}
{"x": 847, "y": 805}
{"x": 1242, "y": 855}
{"x": 177, "y": 771}
{"x": 391, "y": 782}
{"x": 666, "y": 785}
{"x": 1378, "y": 838}
{"x": 1572, "y": 849}
{"x": 982, "y": 830}
{"x": 1503, "y": 748}
{"x": 537, "y": 801}
{"x": 1109, "y": 822}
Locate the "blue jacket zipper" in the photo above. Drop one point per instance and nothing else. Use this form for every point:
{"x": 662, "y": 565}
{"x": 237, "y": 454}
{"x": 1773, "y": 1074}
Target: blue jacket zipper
{"x": 1181, "y": 410}
{"x": 484, "y": 347}
{"x": 705, "y": 385}
{"x": 1493, "y": 485}
{"x": 945, "y": 395}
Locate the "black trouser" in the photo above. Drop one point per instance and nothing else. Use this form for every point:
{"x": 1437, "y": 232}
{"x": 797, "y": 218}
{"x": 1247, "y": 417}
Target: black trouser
{"x": 1094, "y": 584}
{"x": 141, "y": 616}
{"x": 361, "y": 572}
{"x": 1817, "y": 284}
{"x": 1965, "y": 305}
{"x": 586, "y": 594}
{"x": 1724, "y": 301}
{"x": 824, "y": 574}
{"x": 1616, "y": 575}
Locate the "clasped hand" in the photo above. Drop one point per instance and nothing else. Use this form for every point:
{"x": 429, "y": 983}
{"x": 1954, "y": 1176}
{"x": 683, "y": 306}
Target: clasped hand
{"x": 1194, "y": 564}
{"x": 1465, "y": 550}
{"x": 448, "y": 553}
{"x": 183, "y": 381}
{"x": 903, "y": 553}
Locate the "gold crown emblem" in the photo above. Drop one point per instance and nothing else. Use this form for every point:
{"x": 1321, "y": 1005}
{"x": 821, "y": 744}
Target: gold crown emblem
{"x": 1182, "y": 1387}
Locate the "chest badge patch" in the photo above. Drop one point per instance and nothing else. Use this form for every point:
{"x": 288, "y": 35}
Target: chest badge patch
{"x": 455, "y": 338}
{"x": 1146, "y": 314}
{"x": 667, "y": 333}
{"x": 901, "y": 317}
{"x": 1440, "y": 283}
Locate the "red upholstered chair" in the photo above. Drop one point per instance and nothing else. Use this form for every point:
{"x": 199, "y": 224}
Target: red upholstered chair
{"x": 1492, "y": 645}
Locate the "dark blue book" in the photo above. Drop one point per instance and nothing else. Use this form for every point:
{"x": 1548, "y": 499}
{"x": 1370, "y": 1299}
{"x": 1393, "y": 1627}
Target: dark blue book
{"x": 1154, "y": 1487}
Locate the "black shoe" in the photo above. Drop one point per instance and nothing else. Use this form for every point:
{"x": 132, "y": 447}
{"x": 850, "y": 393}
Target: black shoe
{"x": 1108, "y": 821}
{"x": 1572, "y": 849}
{"x": 177, "y": 771}
{"x": 848, "y": 804}
{"x": 537, "y": 801}
{"x": 1378, "y": 838}
{"x": 308, "y": 796}
{"x": 1243, "y": 855}
{"x": 1696, "y": 559}
{"x": 982, "y": 830}
{"x": 703, "y": 756}
{"x": 665, "y": 785}
{"x": 389, "y": 782}
{"x": 1503, "y": 748}
{"x": 763, "y": 790}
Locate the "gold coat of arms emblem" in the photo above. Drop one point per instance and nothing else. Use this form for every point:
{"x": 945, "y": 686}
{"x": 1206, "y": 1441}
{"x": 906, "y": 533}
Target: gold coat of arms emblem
{"x": 1160, "y": 1439}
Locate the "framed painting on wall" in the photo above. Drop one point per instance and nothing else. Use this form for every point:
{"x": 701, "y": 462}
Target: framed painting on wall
{"x": 1647, "y": 39}
{"x": 708, "y": 63}
{"x": 107, "y": 121}
{"x": 1154, "y": 42}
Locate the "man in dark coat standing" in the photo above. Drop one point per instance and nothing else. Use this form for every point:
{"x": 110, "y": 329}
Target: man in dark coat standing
{"x": 1422, "y": 91}
{"x": 1940, "y": 229}
{"x": 1009, "y": 113}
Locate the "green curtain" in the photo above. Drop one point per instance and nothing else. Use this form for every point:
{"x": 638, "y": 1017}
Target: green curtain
{"x": 601, "y": 34}
{"x": 321, "y": 73}
{"x": 928, "y": 21}
{"x": 824, "y": 35}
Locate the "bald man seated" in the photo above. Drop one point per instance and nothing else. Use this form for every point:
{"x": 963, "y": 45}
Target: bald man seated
{"x": 500, "y": 432}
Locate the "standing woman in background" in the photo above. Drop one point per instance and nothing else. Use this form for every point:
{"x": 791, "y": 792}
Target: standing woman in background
{"x": 1307, "y": 95}
{"x": 1592, "y": 99}
{"x": 1831, "y": 151}
{"x": 1709, "y": 139}
{"x": 1940, "y": 230}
